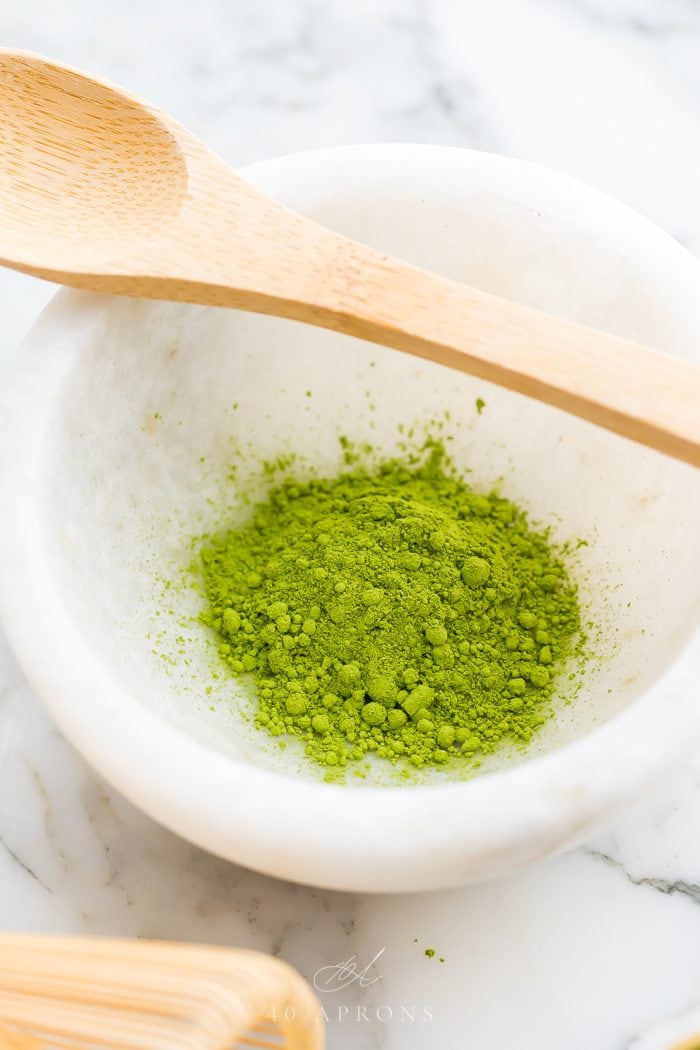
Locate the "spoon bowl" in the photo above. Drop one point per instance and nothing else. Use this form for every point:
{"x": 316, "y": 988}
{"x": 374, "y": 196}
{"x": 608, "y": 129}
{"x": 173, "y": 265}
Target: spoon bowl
{"x": 88, "y": 173}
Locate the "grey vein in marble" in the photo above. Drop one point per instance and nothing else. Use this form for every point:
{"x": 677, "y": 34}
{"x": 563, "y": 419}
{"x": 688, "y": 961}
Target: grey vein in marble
{"x": 667, "y": 886}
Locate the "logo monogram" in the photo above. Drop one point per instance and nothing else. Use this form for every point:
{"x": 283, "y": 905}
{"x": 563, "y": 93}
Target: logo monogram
{"x": 335, "y": 978}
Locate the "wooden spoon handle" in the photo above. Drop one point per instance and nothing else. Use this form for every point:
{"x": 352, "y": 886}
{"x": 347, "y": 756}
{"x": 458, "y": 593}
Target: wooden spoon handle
{"x": 644, "y": 394}
{"x": 327, "y": 280}
{"x": 641, "y": 393}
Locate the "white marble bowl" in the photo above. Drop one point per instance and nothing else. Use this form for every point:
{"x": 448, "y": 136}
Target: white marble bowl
{"x": 118, "y": 423}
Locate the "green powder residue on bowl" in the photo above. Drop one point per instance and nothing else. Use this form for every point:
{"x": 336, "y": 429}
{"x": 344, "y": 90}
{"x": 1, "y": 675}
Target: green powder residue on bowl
{"x": 393, "y": 611}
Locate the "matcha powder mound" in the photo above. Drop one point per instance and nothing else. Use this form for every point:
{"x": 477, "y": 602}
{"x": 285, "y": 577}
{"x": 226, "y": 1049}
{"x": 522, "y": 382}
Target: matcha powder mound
{"x": 395, "y": 612}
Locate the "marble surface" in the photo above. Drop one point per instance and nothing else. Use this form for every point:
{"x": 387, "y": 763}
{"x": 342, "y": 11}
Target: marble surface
{"x": 598, "y": 949}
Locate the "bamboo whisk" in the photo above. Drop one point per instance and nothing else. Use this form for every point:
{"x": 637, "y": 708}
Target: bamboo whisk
{"x": 140, "y": 995}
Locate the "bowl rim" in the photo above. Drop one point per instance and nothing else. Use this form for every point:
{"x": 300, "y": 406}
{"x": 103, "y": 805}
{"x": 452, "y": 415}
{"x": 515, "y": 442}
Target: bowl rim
{"x": 324, "y": 834}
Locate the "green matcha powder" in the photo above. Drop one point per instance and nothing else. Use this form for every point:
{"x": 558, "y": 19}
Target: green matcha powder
{"x": 392, "y": 611}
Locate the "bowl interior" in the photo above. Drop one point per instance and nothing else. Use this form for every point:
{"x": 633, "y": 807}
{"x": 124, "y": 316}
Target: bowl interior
{"x": 160, "y": 400}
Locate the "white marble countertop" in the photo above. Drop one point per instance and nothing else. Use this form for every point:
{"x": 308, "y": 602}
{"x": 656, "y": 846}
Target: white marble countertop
{"x": 597, "y": 950}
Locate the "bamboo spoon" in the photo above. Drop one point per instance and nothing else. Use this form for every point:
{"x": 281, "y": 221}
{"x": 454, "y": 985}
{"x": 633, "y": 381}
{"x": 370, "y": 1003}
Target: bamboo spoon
{"x": 101, "y": 191}
{"x": 136, "y": 995}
